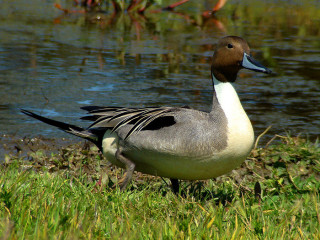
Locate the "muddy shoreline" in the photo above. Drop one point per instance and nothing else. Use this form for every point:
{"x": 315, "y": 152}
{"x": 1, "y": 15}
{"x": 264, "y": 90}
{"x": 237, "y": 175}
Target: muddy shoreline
{"x": 20, "y": 146}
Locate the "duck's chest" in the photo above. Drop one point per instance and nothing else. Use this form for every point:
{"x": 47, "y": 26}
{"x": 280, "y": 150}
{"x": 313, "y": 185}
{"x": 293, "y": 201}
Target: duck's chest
{"x": 239, "y": 129}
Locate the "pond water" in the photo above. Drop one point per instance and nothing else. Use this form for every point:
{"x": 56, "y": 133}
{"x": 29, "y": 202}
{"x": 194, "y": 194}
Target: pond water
{"x": 53, "y": 63}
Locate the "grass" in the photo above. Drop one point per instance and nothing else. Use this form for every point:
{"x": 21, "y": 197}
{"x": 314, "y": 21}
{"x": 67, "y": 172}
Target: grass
{"x": 273, "y": 195}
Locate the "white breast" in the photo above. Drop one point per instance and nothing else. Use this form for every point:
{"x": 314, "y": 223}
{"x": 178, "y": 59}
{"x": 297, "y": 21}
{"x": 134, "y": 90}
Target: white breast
{"x": 240, "y": 131}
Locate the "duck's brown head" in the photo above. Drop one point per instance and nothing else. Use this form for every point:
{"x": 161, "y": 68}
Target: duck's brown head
{"x": 232, "y": 54}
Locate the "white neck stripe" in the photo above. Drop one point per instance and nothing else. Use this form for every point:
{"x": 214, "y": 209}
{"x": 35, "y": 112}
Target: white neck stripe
{"x": 228, "y": 98}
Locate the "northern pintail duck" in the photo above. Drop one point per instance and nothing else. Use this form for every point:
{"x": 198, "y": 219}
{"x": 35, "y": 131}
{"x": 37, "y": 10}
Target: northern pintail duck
{"x": 177, "y": 142}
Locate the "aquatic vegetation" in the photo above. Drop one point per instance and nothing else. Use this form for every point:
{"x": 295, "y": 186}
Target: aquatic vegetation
{"x": 139, "y": 6}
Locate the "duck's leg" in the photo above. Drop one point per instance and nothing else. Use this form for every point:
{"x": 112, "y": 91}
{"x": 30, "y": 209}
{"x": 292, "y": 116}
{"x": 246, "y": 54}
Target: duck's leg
{"x": 175, "y": 185}
{"x": 129, "y": 169}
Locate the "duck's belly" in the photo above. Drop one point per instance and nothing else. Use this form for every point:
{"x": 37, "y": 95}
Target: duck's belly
{"x": 182, "y": 167}
{"x": 185, "y": 167}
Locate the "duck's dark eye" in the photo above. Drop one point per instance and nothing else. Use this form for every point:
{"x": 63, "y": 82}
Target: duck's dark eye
{"x": 230, "y": 45}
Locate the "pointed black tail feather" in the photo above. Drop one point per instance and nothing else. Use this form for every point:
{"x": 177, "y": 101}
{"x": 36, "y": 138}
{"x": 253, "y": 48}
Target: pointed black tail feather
{"x": 93, "y": 136}
{"x": 63, "y": 126}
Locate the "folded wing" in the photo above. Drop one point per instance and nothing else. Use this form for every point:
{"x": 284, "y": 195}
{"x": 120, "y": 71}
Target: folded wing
{"x": 151, "y": 118}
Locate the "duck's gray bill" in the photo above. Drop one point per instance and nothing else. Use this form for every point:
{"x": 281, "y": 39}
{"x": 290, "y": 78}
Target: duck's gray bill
{"x": 249, "y": 62}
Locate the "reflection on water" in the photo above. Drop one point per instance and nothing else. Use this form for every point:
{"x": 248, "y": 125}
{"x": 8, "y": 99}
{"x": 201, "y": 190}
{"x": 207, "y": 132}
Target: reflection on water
{"x": 54, "y": 63}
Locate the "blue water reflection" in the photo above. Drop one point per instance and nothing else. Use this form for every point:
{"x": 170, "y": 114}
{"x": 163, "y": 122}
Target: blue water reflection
{"x": 55, "y": 68}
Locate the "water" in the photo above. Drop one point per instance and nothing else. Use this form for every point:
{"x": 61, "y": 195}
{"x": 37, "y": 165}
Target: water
{"x": 53, "y": 63}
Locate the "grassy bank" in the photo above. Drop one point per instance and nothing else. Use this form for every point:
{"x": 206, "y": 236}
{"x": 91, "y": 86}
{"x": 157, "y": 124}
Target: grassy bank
{"x": 274, "y": 195}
